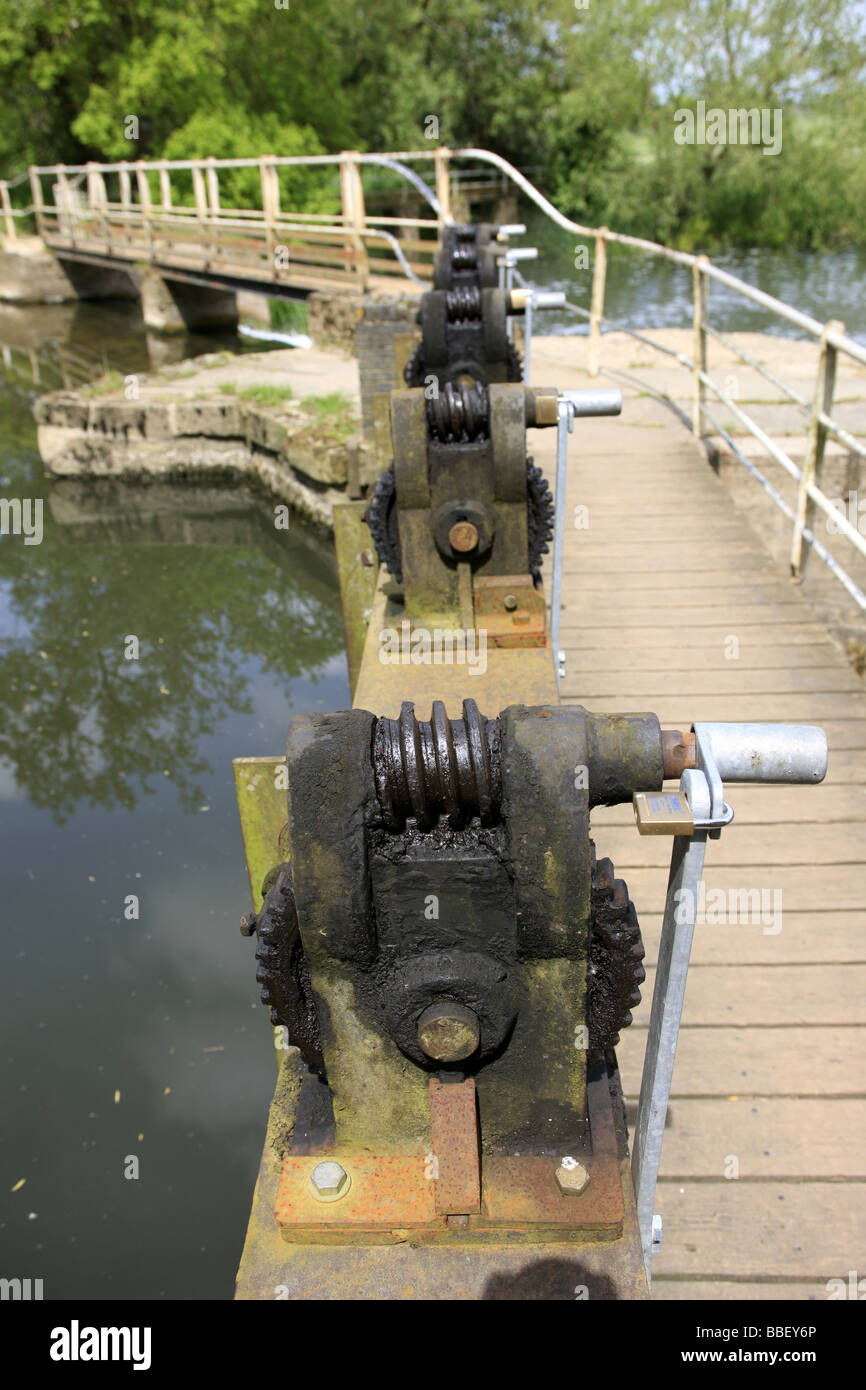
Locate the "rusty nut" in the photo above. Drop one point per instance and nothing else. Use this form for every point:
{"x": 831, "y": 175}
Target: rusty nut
{"x": 571, "y": 1177}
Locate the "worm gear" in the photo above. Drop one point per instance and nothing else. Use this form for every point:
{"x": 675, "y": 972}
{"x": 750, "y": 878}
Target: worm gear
{"x": 614, "y": 971}
{"x": 441, "y": 766}
{"x": 458, "y": 414}
{"x": 381, "y": 517}
{"x": 283, "y": 972}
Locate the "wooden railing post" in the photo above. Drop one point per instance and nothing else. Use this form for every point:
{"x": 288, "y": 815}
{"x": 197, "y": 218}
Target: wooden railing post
{"x": 164, "y": 189}
{"x": 213, "y": 187}
{"x": 354, "y": 217}
{"x": 90, "y": 184}
{"x": 442, "y": 166}
{"x": 596, "y": 308}
{"x": 270, "y": 204}
{"x": 213, "y": 198}
{"x": 36, "y": 199}
{"x": 67, "y": 219}
{"x": 199, "y": 193}
{"x": 201, "y": 209}
{"x": 7, "y": 209}
{"x": 816, "y": 437}
{"x": 143, "y": 184}
{"x": 125, "y": 200}
{"x": 700, "y": 299}
{"x": 97, "y": 198}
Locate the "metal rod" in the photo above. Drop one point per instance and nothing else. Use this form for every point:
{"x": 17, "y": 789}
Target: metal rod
{"x": 820, "y": 550}
{"x": 594, "y": 400}
{"x": 815, "y": 493}
{"x": 790, "y": 753}
{"x": 842, "y": 435}
{"x": 757, "y": 366}
{"x": 813, "y": 468}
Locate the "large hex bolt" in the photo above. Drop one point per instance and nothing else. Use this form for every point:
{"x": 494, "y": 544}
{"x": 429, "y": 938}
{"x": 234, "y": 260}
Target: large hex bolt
{"x": 571, "y": 1177}
{"x": 329, "y": 1181}
{"x": 448, "y": 1032}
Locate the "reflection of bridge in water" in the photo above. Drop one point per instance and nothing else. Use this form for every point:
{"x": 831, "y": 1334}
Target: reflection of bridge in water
{"x": 53, "y": 364}
{"x": 68, "y": 346}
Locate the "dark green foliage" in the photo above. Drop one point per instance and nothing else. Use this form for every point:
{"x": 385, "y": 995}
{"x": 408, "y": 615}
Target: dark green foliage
{"x": 581, "y": 98}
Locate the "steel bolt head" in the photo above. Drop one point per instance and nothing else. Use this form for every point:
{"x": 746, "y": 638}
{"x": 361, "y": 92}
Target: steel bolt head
{"x": 509, "y": 603}
{"x": 571, "y": 1177}
{"x": 448, "y": 1031}
{"x": 329, "y": 1181}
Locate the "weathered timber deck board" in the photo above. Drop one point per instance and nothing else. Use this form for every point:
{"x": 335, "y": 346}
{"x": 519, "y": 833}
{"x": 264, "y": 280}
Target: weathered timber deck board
{"x": 771, "y": 1066}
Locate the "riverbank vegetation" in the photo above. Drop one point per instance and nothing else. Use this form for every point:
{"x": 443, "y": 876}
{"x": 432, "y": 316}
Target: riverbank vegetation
{"x": 581, "y": 95}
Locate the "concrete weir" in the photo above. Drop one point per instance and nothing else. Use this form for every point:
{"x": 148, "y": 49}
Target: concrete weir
{"x": 300, "y": 424}
{"x": 285, "y": 420}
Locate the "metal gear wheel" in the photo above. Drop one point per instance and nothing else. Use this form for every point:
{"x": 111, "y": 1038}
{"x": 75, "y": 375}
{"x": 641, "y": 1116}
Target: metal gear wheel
{"x": 614, "y": 970}
{"x": 381, "y": 517}
{"x": 283, "y": 972}
{"x": 414, "y": 371}
{"x": 539, "y": 515}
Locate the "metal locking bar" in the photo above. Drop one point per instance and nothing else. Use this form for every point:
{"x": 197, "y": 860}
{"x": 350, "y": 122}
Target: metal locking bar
{"x": 737, "y": 753}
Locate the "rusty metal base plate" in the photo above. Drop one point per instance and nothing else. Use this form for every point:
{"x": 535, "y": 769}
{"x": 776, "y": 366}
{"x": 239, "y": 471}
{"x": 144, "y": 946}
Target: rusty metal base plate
{"x": 394, "y": 1198}
{"x": 461, "y": 1266}
{"x": 510, "y": 610}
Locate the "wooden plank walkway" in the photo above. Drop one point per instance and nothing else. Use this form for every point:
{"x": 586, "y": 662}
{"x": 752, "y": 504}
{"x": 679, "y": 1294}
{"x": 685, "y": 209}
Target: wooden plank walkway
{"x": 673, "y": 604}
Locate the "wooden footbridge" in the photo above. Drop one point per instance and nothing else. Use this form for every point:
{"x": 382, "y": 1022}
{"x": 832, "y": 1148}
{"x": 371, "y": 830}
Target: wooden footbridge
{"x": 173, "y": 215}
{"x": 673, "y": 601}
{"x": 177, "y": 216}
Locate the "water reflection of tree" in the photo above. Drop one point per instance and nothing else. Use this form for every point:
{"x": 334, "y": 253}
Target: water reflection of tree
{"x": 82, "y": 723}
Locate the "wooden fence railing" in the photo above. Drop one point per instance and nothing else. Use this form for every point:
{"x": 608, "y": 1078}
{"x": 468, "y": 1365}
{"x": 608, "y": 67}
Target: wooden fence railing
{"x": 135, "y": 211}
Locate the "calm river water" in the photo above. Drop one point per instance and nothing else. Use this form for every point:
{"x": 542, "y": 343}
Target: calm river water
{"x": 138, "y": 1037}
{"x": 649, "y": 292}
